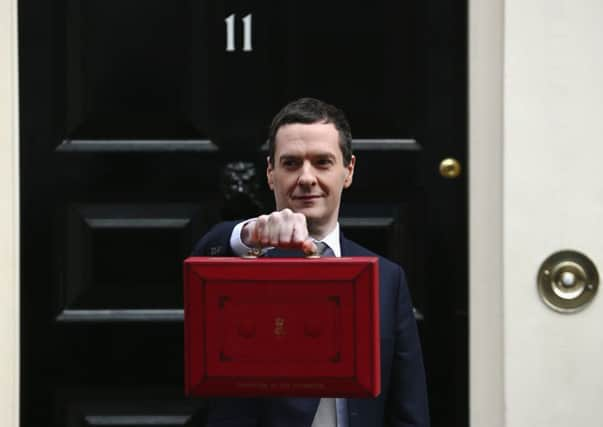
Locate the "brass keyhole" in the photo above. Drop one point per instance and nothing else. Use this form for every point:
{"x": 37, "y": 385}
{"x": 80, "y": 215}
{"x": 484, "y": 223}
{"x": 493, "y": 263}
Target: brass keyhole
{"x": 450, "y": 168}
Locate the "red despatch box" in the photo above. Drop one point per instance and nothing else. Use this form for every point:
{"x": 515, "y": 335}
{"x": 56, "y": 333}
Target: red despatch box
{"x": 282, "y": 327}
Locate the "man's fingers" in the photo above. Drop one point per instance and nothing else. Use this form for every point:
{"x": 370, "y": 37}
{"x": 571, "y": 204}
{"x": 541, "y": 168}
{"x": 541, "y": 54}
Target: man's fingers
{"x": 261, "y": 231}
{"x": 300, "y": 231}
{"x": 309, "y": 247}
{"x": 249, "y": 234}
{"x": 285, "y": 229}
{"x": 286, "y": 233}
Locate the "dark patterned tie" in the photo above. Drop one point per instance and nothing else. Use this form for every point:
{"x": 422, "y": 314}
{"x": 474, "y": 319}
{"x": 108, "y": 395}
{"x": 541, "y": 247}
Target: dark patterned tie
{"x": 324, "y": 250}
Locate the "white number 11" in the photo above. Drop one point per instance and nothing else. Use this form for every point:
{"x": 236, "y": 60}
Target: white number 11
{"x": 230, "y": 33}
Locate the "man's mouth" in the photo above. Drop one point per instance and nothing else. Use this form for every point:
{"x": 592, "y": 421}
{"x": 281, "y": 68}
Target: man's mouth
{"x": 307, "y": 197}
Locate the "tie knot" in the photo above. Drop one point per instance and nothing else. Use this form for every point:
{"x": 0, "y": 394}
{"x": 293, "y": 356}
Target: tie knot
{"x": 323, "y": 249}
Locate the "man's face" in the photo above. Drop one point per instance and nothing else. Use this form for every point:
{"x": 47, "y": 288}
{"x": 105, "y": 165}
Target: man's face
{"x": 308, "y": 175}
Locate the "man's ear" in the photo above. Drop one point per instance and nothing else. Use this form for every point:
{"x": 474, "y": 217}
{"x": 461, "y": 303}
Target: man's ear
{"x": 269, "y": 172}
{"x": 350, "y": 172}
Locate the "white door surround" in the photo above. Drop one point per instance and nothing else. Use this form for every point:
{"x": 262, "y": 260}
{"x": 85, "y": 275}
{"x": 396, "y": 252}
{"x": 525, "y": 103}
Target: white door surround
{"x": 9, "y": 217}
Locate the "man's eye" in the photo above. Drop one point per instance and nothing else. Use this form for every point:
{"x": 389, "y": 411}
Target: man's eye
{"x": 289, "y": 163}
{"x": 324, "y": 162}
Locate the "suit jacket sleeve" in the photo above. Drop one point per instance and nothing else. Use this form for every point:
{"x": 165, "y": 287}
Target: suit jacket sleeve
{"x": 407, "y": 404}
{"x": 216, "y": 242}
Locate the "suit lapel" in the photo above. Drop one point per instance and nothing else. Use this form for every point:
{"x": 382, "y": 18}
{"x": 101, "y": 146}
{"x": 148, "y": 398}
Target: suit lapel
{"x": 347, "y": 248}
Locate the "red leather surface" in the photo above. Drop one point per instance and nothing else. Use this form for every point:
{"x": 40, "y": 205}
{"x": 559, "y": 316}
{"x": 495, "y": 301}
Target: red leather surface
{"x": 282, "y": 326}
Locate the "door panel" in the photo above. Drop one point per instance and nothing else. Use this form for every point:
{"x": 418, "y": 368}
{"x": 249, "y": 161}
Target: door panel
{"x": 127, "y": 69}
{"x": 144, "y": 123}
{"x": 121, "y": 258}
{"x": 127, "y": 408}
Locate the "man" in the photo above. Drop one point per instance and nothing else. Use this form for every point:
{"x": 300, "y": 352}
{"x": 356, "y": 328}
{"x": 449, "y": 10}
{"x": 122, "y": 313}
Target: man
{"x": 310, "y": 163}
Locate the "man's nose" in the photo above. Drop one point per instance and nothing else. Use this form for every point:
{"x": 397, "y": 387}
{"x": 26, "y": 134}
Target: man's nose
{"x": 307, "y": 177}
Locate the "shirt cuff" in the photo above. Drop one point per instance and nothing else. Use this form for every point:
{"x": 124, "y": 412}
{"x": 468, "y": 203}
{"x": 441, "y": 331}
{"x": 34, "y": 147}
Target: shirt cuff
{"x": 236, "y": 243}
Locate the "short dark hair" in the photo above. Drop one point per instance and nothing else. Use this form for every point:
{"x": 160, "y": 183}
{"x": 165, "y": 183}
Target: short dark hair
{"x": 309, "y": 111}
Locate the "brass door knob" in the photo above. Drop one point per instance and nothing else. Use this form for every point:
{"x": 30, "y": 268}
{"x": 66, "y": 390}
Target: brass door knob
{"x": 450, "y": 168}
{"x": 567, "y": 281}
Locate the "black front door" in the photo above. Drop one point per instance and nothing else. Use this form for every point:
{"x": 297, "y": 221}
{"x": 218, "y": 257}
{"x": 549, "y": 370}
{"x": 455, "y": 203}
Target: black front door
{"x": 144, "y": 122}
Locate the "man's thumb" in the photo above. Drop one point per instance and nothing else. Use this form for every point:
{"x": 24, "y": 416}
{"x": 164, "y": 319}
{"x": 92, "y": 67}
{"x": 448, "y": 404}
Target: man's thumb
{"x": 309, "y": 247}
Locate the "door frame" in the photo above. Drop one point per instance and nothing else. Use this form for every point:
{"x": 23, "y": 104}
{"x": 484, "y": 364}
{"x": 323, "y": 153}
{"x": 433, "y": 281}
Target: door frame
{"x": 486, "y": 51}
{"x": 486, "y": 149}
{"x": 9, "y": 216}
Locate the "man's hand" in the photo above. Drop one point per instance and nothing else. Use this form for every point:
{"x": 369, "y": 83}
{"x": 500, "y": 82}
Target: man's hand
{"x": 283, "y": 229}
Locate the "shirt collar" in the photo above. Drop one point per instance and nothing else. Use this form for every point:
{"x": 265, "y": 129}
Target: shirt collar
{"x": 332, "y": 239}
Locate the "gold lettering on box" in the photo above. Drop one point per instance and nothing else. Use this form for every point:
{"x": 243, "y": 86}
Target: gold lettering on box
{"x": 279, "y": 326}
{"x": 310, "y": 386}
{"x": 253, "y": 385}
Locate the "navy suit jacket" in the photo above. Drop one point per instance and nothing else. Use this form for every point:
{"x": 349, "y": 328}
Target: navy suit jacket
{"x": 403, "y": 398}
